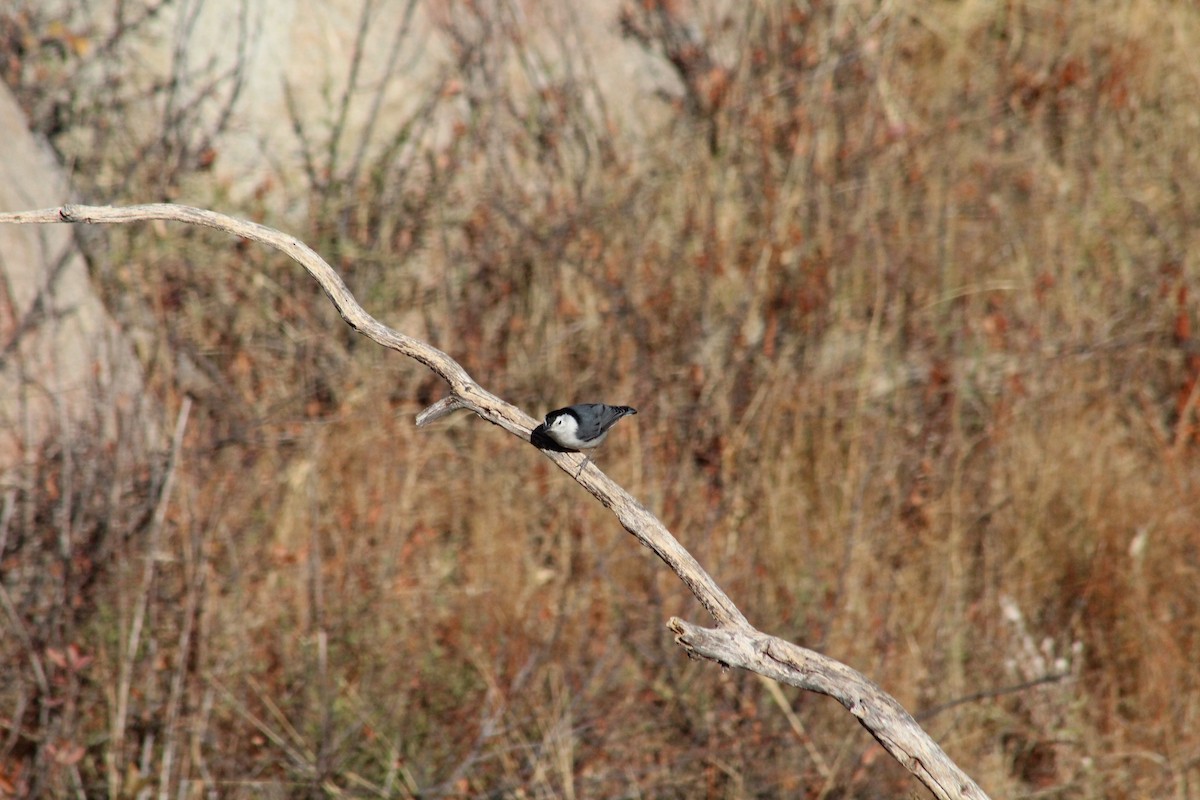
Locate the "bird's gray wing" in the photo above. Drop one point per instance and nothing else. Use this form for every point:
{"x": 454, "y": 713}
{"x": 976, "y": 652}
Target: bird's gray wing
{"x": 608, "y": 416}
{"x": 591, "y": 418}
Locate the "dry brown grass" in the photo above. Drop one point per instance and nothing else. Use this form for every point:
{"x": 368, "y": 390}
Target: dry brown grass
{"x": 905, "y": 302}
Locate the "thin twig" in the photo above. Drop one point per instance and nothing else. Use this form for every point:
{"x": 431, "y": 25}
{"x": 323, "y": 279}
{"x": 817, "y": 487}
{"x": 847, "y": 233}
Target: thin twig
{"x": 143, "y": 600}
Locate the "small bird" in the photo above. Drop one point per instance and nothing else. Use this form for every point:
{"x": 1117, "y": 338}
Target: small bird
{"x": 582, "y": 427}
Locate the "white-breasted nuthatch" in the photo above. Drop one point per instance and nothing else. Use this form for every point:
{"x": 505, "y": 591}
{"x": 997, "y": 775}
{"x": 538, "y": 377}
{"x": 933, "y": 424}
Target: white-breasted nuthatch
{"x": 581, "y": 427}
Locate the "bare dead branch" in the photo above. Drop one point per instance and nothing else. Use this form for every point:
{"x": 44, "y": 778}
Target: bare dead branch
{"x": 734, "y": 642}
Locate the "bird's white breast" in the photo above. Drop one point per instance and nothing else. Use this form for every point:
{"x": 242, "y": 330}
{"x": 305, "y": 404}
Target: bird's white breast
{"x": 565, "y": 431}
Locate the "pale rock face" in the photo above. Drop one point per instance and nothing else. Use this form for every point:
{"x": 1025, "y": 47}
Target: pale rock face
{"x": 65, "y": 367}
{"x": 307, "y": 49}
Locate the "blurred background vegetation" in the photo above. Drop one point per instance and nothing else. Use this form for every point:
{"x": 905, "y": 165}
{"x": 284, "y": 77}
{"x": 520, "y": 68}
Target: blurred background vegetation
{"x": 904, "y": 295}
